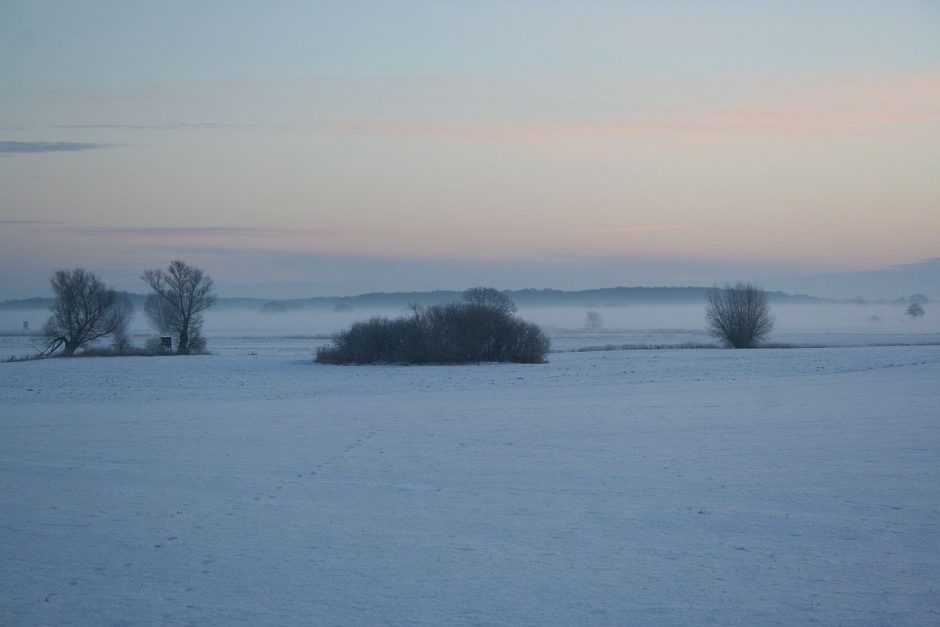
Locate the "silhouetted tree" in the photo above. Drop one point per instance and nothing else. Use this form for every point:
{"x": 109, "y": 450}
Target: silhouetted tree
{"x": 593, "y": 321}
{"x": 85, "y": 310}
{"x": 180, "y": 294}
{"x": 739, "y": 315}
{"x": 915, "y": 310}
{"x": 489, "y": 297}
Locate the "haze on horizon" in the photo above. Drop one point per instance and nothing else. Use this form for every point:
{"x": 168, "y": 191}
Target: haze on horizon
{"x": 319, "y": 148}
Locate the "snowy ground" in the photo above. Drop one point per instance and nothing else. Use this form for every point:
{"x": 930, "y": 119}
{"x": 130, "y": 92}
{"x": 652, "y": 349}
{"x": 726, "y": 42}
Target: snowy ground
{"x": 630, "y": 487}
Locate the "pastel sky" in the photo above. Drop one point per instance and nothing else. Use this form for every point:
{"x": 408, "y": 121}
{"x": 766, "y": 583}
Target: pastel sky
{"x": 305, "y": 148}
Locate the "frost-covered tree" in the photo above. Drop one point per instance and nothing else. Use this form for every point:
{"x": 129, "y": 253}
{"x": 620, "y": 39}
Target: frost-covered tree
{"x": 180, "y": 294}
{"x": 85, "y": 310}
{"x": 739, "y": 315}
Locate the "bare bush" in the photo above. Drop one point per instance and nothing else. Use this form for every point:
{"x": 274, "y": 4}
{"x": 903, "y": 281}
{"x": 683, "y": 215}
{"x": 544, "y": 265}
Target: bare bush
{"x": 85, "y": 310}
{"x": 121, "y": 344}
{"x": 738, "y": 315}
{"x": 105, "y": 351}
{"x": 180, "y": 294}
{"x": 154, "y": 346}
{"x": 452, "y": 333}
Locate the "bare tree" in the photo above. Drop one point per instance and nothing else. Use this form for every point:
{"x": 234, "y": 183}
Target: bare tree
{"x": 739, "y": 315}
{"x": 180, "y": 294}
{"x": 489, "y": 297}
{"x": 593, "y": 321}
{"x": 915, "y": 310}
{"x": 85, "y": 310}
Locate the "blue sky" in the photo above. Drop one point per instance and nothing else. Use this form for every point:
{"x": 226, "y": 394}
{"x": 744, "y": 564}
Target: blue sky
{"x": 300, "y": 148}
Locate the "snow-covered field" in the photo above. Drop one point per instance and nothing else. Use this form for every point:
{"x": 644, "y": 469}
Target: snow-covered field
{"x": 629, "y": 487}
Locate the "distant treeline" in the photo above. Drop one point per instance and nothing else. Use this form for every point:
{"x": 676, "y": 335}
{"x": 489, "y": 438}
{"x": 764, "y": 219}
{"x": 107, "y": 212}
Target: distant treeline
{"x": 603, "y": 297}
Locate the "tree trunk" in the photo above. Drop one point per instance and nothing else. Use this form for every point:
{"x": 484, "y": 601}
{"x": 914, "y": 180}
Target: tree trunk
{"x": 183, "y": 347}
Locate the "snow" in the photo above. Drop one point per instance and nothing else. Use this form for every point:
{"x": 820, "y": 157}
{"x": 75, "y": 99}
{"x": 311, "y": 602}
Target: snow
{"x": 628, "y": 487}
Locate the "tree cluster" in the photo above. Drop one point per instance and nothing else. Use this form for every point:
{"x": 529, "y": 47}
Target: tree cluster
{"x": 86, "y": 310}
{"x": 482, "y": 328}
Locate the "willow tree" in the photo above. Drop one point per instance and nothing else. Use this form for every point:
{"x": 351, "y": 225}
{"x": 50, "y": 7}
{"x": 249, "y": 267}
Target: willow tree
{"x": 84, "y": 310}
{"x": 180, "y": 294}
{"x": 739, "y": 315}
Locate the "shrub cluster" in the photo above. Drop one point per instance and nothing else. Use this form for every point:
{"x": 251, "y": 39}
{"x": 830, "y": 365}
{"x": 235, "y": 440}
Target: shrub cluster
{"x": 453, "y": 333}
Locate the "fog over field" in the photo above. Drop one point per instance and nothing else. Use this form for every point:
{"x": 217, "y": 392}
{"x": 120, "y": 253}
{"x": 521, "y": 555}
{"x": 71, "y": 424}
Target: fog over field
{"x": 297, "y": 330}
